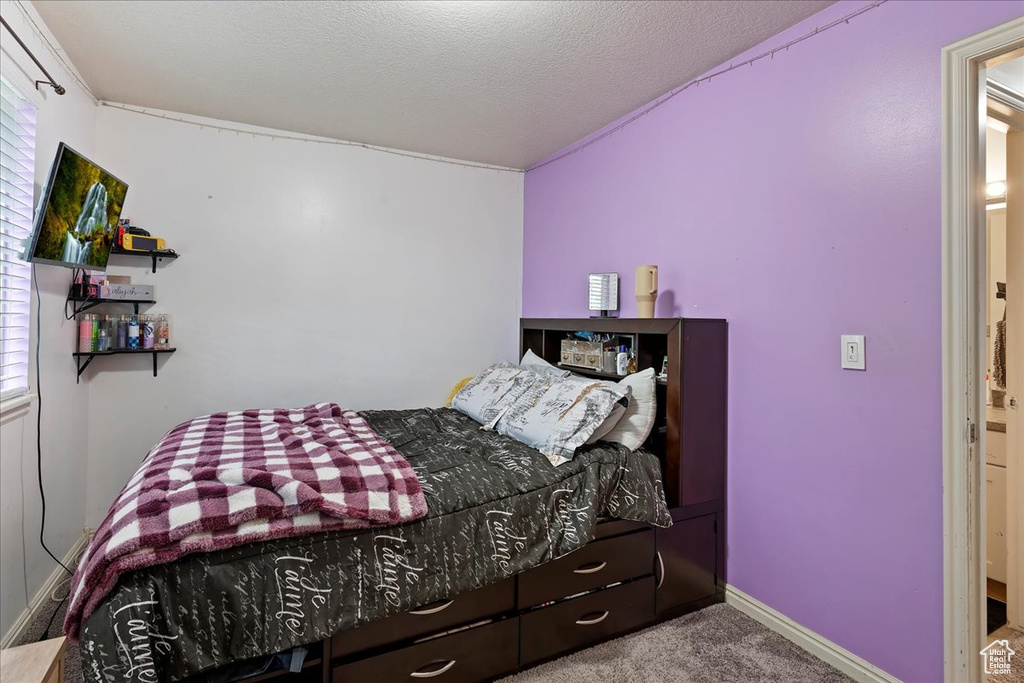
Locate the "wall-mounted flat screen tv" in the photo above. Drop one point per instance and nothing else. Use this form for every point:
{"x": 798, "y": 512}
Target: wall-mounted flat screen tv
{"x": 76, "y": 220}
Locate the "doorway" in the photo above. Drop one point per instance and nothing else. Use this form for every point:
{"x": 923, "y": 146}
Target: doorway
{"x": 965, "y": 359}
{"x": 1004, "y": 274}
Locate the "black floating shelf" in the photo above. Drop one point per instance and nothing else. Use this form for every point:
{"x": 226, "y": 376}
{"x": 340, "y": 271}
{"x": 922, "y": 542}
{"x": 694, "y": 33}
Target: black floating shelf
{"x": 89, "y": 355}
{"x": 155, "y": 255}
{"x": 90, "y": 302}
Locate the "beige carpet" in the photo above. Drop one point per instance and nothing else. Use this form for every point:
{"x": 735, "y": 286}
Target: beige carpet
{"x": 719, "y": 644}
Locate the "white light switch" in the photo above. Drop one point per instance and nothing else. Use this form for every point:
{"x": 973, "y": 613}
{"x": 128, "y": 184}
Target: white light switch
{"x": 853, "y": 351}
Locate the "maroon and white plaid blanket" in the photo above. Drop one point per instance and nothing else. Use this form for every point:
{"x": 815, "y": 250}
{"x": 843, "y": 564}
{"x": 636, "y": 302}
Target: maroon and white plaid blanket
{"x": 227, "y": 479}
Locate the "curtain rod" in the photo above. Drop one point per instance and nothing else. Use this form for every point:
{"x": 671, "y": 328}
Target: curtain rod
{"x": 59, "y": 89}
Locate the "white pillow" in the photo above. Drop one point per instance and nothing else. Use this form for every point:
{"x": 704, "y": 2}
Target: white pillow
{"x": 613, "y": 419}
{"x": 636, "y": 423}
{"x": 532, "y": 361}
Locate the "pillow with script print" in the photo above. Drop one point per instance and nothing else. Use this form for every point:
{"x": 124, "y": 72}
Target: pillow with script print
{"x": 556, "y": 415}
{"x": 490, "y": 393}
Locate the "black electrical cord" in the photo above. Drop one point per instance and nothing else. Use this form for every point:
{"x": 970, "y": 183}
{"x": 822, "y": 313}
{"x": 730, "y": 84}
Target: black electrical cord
{"x": 67, "y": 299}
{"x": 56, "y": 610}
{"x": 39, "y": 424}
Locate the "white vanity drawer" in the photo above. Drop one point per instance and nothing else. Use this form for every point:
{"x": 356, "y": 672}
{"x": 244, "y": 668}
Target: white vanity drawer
{"x": 995, "y": 448}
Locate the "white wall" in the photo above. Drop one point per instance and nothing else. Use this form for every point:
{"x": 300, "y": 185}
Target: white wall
{"x": 23, "y": 564}
{"x": 308, "y": 272}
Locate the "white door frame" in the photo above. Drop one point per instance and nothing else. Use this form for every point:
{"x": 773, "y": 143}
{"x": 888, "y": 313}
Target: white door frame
{"x": 963, "y": 341}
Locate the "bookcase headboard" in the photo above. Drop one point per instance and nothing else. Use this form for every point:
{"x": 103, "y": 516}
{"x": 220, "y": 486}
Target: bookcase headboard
{"x": 689, "y": 435}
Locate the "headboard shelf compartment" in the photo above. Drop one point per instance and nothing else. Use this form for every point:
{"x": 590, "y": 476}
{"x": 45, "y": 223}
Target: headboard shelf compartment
{"x": 690, "y": 435}
{"x": 587, "y": 372}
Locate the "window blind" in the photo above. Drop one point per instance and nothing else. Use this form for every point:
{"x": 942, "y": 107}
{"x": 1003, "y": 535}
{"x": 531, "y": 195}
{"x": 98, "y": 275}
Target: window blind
{"x": 17, "y": 167}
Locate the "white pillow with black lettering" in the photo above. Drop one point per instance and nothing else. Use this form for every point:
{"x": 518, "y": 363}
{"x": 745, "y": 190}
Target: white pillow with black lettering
{"x": 556, "y": 415}
{"x": 636, "y": 423}
{"x": 490, "y": 393}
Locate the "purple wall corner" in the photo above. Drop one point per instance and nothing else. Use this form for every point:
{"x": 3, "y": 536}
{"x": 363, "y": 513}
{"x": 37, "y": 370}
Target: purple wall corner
{"x": 800, "y": 199}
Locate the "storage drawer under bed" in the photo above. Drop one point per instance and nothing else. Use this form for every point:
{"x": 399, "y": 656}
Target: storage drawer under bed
{"x": 474, "y": 654}
{"x": 599, "y": 563}
{"x": 575, "y": 623}
{"x": 464, "y": 608}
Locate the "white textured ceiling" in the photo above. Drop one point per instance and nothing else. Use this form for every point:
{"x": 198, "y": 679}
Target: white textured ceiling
{"x": 505, "y": 83}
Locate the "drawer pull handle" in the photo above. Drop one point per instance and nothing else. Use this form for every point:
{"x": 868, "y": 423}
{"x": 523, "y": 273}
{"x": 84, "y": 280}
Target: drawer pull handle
{"x": 661, "y": 572}
{"x": 432, "y": 610}
{"x": 419, "y": 673}
{"x": 591, "y": 568}
{"x": 583, "y": 621}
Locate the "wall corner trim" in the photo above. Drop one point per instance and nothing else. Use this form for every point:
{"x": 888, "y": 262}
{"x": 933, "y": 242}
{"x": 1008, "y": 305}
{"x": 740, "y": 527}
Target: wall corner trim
{"x": 41, "y": 600}
{"x": 819, "y": 646}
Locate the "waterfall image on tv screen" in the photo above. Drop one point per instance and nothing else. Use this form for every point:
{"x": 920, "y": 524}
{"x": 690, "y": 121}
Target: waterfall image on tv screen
{"x": 77, "y": 220}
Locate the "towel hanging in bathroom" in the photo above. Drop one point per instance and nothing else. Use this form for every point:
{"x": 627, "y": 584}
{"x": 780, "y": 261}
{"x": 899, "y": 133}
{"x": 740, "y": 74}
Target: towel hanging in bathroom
{"x": 999, "y": 353}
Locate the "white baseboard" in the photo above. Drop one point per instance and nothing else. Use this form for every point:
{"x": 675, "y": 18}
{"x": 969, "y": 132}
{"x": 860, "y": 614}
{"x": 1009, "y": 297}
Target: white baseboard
{"x": 822, "y": 648}
{"x": 41, "y": 600}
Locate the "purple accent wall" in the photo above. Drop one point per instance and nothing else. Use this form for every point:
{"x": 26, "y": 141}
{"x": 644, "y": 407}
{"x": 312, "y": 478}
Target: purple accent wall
{"x": 800, "y": 199}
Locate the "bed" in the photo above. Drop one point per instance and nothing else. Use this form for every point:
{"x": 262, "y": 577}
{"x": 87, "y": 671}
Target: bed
{"x": 516, "y": 562}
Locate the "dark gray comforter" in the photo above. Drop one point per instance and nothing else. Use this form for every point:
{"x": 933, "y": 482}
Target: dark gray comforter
{"x": 497, "y": 507}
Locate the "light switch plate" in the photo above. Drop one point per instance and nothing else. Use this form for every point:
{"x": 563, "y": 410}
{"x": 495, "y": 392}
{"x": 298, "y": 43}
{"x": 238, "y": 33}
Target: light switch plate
{"x": 853, "y": 352}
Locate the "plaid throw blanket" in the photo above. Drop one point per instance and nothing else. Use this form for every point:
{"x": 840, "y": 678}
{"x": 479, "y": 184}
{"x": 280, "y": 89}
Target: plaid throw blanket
{"x": 232, "y": 478}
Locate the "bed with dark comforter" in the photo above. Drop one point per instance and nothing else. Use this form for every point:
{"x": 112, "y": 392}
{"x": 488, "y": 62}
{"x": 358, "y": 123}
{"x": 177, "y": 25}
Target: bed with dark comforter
{"x": 496, "y": 508}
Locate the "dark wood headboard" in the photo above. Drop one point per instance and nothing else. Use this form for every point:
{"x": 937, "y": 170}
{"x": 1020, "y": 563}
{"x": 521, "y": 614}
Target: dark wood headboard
{"x": 689, "y": 436}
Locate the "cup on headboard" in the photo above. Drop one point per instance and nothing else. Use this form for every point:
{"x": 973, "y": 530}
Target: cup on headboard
{"x": 646, "y": 290}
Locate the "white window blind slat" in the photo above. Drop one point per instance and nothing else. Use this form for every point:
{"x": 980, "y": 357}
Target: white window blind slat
{"x": 15, "y": 154}
{"x": 10, "y": 106}
{"x": 11, "y": 248}
{"x": 16, "y": 193}
{"x": 16, "y": 136}
{"x": 15, "y": 175}
{"x": 13, "y": 213}
{"x": 13, "y": 230}
{"x": 5, "y": 271}
{"x": 16, "y": 314}
{"x": 14, "y": 386}
{"x": 17, "y": 162}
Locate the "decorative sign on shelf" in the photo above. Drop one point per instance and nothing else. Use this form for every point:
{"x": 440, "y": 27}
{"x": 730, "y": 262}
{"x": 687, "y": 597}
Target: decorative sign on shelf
{"x": 604, "y": 293}
{"x": 117, "y": 291}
